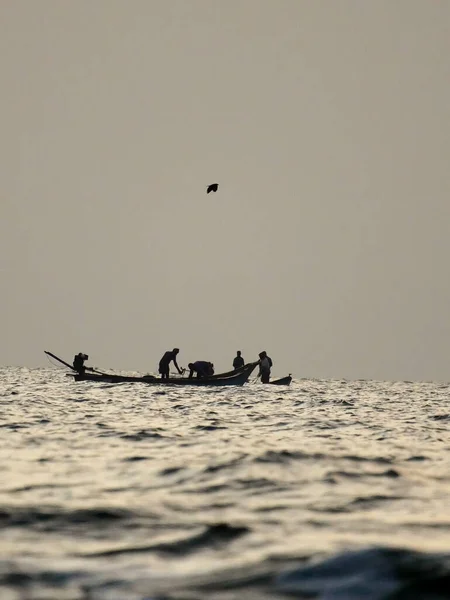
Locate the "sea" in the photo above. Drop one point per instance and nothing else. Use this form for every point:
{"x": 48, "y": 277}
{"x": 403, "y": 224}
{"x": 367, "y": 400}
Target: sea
{"x": 326, "y": 489}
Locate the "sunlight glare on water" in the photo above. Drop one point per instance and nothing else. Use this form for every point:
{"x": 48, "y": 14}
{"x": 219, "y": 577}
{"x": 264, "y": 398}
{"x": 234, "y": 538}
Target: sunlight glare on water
{"x": 130, "y": 491}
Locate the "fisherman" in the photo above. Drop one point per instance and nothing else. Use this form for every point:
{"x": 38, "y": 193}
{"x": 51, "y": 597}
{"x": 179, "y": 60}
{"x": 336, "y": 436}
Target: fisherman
{"x": 202, "y": 368}
{"x": 265, "y": 364}
{"x": 78, "y": 362}
{"x": 238, "y": 361}
{"x": 164, "y": 363}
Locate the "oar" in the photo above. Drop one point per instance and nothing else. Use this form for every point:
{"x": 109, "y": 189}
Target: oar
{"x": 95, "y": 371}
{"x": 256, "y": 378}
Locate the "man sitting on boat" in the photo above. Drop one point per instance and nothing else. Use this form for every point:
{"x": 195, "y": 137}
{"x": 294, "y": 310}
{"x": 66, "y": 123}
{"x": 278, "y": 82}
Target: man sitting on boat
{"x": 164, "y": 363}
{"x": 265, "y": 364}
{"x": 78, "y": 362}
{"x": 202, "y": 368}
{"x": 238, "y": 362}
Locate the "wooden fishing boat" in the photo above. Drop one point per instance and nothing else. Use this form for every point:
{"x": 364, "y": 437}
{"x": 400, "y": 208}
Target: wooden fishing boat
{"x": 238, "y": 377}
{"x": 282, "y": 381}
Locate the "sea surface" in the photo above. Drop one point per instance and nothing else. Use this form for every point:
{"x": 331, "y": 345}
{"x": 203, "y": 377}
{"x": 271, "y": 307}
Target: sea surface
{"x": 331, "y": 490}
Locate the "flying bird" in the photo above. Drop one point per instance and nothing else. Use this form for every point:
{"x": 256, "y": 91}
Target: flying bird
{"x": 212, "y": 188}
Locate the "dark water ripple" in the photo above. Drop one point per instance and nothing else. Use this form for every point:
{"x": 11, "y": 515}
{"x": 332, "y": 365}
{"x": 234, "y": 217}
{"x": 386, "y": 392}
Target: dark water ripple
{"x": 335, "y": 490}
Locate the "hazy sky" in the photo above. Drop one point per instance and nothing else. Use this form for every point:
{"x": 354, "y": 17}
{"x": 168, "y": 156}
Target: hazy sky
{"x": 327, "y": 126}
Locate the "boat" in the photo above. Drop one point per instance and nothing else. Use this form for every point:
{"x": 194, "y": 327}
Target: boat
{"x": 215, "y": 380}
{"x": 282, "y": 381}
{"x": 237, "y": 377}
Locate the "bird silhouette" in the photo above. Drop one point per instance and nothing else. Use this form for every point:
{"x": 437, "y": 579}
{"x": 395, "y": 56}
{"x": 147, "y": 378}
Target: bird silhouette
{"x": 212, "y": 188}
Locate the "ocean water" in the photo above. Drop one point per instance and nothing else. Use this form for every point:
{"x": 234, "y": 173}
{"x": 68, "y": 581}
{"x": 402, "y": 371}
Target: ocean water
{"x": 335, "y": 490}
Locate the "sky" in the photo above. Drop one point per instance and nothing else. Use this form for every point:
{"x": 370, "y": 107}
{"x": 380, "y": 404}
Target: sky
{"x": 326, "y": 125}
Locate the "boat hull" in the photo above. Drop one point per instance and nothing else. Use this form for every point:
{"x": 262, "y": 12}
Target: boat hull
{"x": 218, "y": 380}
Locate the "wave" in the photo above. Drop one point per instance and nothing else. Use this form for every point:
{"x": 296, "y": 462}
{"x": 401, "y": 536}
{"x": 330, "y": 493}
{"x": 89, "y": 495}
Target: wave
{"x": 377, "y": 573}
{"x": 372, "y": 574}
{"x": 211, "y": 537}
{"x": 51, "y": 519}
{"x": 284, "y": 456}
